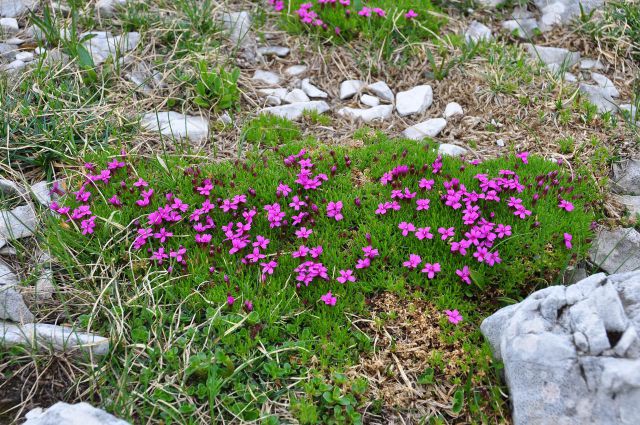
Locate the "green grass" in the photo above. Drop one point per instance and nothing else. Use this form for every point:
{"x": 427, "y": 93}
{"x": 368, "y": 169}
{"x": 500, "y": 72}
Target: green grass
{"x": 385, "y": 34}
{"x": 180, "y": 353}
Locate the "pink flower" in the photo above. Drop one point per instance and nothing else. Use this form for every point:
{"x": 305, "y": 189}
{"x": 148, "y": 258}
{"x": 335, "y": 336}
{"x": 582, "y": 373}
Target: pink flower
{"x": 283, "y": 190}
{"x": 454, "y": 316}
{"x": 370, "y": 252}
{"x": 302, "y": 252}
{"x": 431, "y": 269}
{"x": 363, "y": 263}
{"x": 381, "y": 13}
{"x": 524, "y": 157}
{"x": 446, "y": 233}
{"x": 160, "y": 255}
{"x": 334, "y": 210}
{"x": 316, "y": 252}
{"x": 410, "y": 14}
{"x": 465, "y": 275}
{"x": 203, "y": 238}
{"x": 268, "y": 268}
{"x": 346, "y": 276}
{"x": 426, "y": 184}
{"x": 303, "y": 233}
{"x": 88, "y": 225}
{"x": 163, "y": 235}
{"x": 248, "y": 305}
{"x": 503, "y": 230}
{"x": 230, "y": 300}
{"x": 413, "y": 262}
{"x": 329, "y": 299}
{"x": 297, "y": 203}
{"x": 424, "y": 233}
{"x": 261, "y": 242}
{"x": 141, "y": 183}
{"x": 568, "y": 237}
{"x": 406, "y": 228}
{"x": 422, "y": 204}
{"x": 365, "y": 11}
{"x": 179, "y": 254}
{"x": 566, "y": 205}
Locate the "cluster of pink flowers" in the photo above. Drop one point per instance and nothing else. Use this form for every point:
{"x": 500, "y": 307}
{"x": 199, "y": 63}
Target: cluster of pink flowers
{"x": 295, "y": 212}
{"x": 311, "y": 17}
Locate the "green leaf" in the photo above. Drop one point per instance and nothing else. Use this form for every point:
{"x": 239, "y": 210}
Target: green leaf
{"x": 458, "y": 401}
{"x": 426, "y": 377}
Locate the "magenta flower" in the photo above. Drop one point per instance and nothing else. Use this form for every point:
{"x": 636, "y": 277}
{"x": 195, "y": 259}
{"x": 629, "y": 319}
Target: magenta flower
{"x": 524, "y": 157}
{"x": 230, "y": 300}
{"x": 88, "y": 225}
{"x": 406, "y": 228}
{"x": 464, "y": 274}
{"x": 316, "y": 252}
{"x": 283, "y": 190}
{"x": 302, "y": 252}
{"x": 203, "y": 238}
{"x": 363, "y": 263}
{"x": 410, "y": 14}
{"x": 160, "y": 255}
{"x": 163, "y": 235}
{"x": 179, "y": 254}
{"x": 261, "y": 242}
{"x": 566, "y": 205}
{"x": 346, "y": 276}
{"x": 248, "y": 305}
{"x": 334, "y": 210}
{"x": 140, "y": 183}
{"x": 365, "y": 11}
{"x": 297, "y": 203}
{"x": 446, "y": 233}
{"x": 453, "y": 316}
{"x": 269, "y": 268}
{"x": 568, "y": 237}
{"x": 431, "y": 269}
{"x": 370, "y": 252}
{"x": 329, "y": 299}
{"x": 424, "y": 233}
{"x": 422, "y": 204}
{"x": 426, "y": 184}
{"x": 303, "y": 233}
{"x": 502, "y": 230}
{"x": 413, "y": 262}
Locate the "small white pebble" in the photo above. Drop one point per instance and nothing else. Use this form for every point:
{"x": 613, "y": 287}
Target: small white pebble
{"x": 369, "y": 100}
{"x": 24, "y": 56}
{"x": 453, "y": 109}
{"x": 500, "y": 143}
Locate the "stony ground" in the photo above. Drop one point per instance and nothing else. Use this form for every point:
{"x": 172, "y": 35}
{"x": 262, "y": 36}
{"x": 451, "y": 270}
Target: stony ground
{"x": 155, "y": 76}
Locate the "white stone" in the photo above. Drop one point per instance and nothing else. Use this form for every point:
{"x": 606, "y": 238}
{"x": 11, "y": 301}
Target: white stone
{"x": 41, "y": 193}
{"x": 556, "y": 55}
{"x": 477, "y": 32}
{"x": 279, "y": 51}
{"x": 605, "y": 83}
{"x": 176, "y": 125}
{"x": 44, "y": 287}
{"x": 9, "y": 188}
{"x": 447, "y": 149}
{"x": 15, "y": 41}
{"x": 523, "y": 28}
{"x": 571, "y": 78}
{"x": 382, "y": 90}
{"x": 108, "y": 8}
{"x": 312, "y": 91}
{"x": 12, "y": 305}
{"x": 15, "y": 66}
{"x": 295, "y": 96}
{"x": 9, "y": 26}
{"x": 266, "y": 77}
{"x": 71, "y": 414}
{"x": 369, "y": 100}
{"x": 453, "y": 109}
{"x": 490, "y": 3}
{"x": 429, "y": 128}
{"x": 616, "y": 251}
{"x": 18, "y": 223}
{"x": 377, "y": 113}
{"x": 58, "y": 338}
{"x": 599, "y": 97}
{"x": 589, "y": 64}
{"x": 414, "y": 101}
{"x": 15, "y": 8}
{"x": 280, "y": 92}
{"x": 24, "y": 56}
{"x": 272, "y": 101}
{"x": 294, "y": 111}
{"x": 551, "y": 16}
{"x": 296, "y": 70}
{"x": 500, "y": 143}
{"x": 625, "y": 177}
{"x": 238, "y": 24}
{"x": 350, "y": 88}
{"x": 571, "y": 356}
{"x": 631, "y": 110}
{"x": 104, "y": 45}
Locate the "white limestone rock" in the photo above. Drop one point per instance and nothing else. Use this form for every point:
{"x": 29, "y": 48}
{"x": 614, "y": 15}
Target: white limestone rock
{"x": 571, "y": 354}
{"x": 631, "y": 203}
{"x": 616, "y": 251}
{"x": 453, "y": 109}
{"x": 377, "y": 113}
{"x": 295, "y": 111}
{"x": 350, "y": 88}
{"x": 103, "y": 45}
{"x": 146, "y": 79}
{"x": 296, "y": 96}
{"x": 477, "y": 32}
{"x": 555, "y": 55}
{"x": 429, "y": 128}
{"x": 12, "y": 305}
{"x": 625, "y": 178}
{"x": 108, "y": 8}
{"x": 599, "y": 97}
{"x": 446, "y": 149}
{"x": 369, "y": 100}
{"x": 238, "y": 26}
{"x": 266, "y": 77}
{"x": 9, "y": 26}
{"x": 14, "y": 66}
{"x": 279, "y": 51}
{"x": 631, "y": 111}
{"x": 382, "y": 90}
{"x": 15, "y": 8}
{"x": 414, "y": 101}
{"x": 312, "y": 91}
{"x": 71, "y": 414}
{"x": 590, "y": 64}
{"x": 25, "y": 57}
{"x": 175, "y": 125}
{"x": 605, "y": 83}
{"x": 40, "y": 192}
{"x": 523, "y": 28}
{"x": 17, "y": 223}
{"x": 296, "y": 70}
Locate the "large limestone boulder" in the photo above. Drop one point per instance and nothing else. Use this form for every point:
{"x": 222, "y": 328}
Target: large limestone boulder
{"x": 572, "y": 354}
